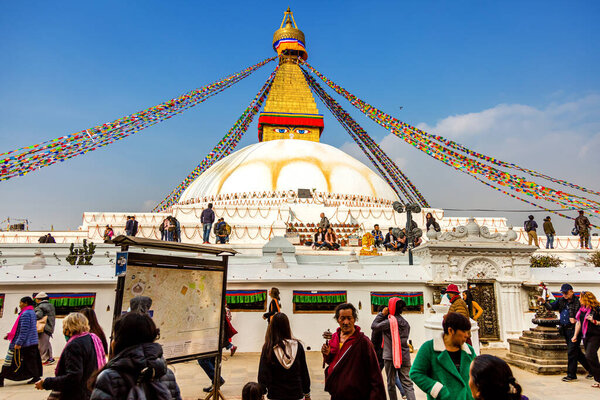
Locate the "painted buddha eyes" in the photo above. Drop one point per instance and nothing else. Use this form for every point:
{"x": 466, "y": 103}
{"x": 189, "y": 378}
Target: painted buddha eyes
{"x": 291, "y": 130}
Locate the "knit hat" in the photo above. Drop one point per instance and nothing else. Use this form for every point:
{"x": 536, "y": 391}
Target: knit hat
{"x": 452, "y": 288}
{"x": 41, "y": 295}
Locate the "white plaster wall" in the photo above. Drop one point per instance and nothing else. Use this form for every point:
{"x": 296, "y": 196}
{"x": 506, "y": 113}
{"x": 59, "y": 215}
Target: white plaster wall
{"x": 105, "y": 299}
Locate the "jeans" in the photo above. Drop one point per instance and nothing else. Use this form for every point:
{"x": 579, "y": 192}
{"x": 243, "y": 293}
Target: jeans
{"x": 592, "y": 344}
{"x": 221, "y": 239}
{"x": 206, "y": 231}
{"x": 208, "y": 365}
{"x": 549, "y": 241}
{"x": 574, "y": 353}
{"x": 392, "y": 374}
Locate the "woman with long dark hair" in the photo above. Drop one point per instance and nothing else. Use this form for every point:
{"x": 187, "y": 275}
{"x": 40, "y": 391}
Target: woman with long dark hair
{"x": 23, "y": 360}
{"x": 95, "y": 327}
{"x": 282, "y": 369}
{"x": 492, "y": 379}
{"x": 475, "y": 309}
{"x": 274, "y": 306}
{"x": 138, "y": 367}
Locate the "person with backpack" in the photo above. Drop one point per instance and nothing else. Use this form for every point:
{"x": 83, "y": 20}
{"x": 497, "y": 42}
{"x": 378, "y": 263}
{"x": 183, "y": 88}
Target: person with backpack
{"x": 530, "y": 227}
{"x": 582, "y": 227}
{"x": 282, "y": 368}
{"x": 138, "y": 370}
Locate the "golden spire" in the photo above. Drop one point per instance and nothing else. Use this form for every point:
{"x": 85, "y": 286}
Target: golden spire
{"x": 290, "y": 110}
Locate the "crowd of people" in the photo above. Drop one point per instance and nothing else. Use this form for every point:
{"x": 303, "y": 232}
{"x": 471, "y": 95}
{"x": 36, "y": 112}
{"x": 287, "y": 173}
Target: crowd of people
{"x": 132, "y": 366}
{"x": 444, "y": 368}
{"x": 135, "y": 369}
{"x": 170, "y": 229}
{"x": 582, "y": 228}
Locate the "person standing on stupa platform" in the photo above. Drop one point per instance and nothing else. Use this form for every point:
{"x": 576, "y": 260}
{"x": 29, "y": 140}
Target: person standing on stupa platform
{"x": 396, "y": 354}
{"x": 530, "y": 227}
{"x": 131, "y": 226}
{"x": 568, "y": 306}
{"x": 324, "y": 223}
{"x": 582, "y": 224}
{"x": 377, "y": 235}
{"x": 549, "y": 231}
{"x": 206, "y": 219}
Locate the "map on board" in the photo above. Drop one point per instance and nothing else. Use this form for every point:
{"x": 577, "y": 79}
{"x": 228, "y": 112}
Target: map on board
{"x": 186, "y": 306}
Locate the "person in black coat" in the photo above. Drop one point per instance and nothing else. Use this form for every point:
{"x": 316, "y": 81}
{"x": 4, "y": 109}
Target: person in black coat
{"x": 274, "y": 306}
{"x": 138, "y": 364}
{"x": 282, "y": 369}
{"x": 81, "y": 357}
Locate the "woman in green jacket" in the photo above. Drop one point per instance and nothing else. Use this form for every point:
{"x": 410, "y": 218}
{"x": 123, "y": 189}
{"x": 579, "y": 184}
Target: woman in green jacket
{"x": 441, "y": 368}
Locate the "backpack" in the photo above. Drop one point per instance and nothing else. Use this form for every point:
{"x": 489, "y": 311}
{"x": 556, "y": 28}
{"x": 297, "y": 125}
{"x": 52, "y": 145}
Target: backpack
{"x": 146, "y": 388}
{"x": 528, "y": 226}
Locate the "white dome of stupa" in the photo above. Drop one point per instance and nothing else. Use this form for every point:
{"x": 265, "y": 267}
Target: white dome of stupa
{"x": 289, "y": 164}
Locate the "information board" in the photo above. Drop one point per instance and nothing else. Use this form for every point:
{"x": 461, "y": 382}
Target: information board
{"x": 186, "y": 306}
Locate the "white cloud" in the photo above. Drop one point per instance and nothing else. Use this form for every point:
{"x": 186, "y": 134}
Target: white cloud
{"x": 561, "y": 140}
{"x": 148, "y": 205}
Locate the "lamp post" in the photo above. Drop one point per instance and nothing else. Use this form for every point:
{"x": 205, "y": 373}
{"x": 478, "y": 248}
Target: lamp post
{"x": 412, "y": 233}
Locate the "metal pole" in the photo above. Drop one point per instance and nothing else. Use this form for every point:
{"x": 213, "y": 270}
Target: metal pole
{"x": 409, "y": 236}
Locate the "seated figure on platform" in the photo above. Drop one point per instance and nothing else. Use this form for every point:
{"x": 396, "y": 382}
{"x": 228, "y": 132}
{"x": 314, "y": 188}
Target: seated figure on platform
{"x": 319, "y": 239}
{"x": 391, "y": 242}
{"x": 403, "y": 241}
{"x": 377, "y": 235}
{"x": 331, "y": 240}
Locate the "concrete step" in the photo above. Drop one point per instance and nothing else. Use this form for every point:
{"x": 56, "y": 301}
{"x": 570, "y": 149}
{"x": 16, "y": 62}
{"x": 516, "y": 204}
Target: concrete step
{"x": 534, "y": 360}
{"x": 537, "y": 368}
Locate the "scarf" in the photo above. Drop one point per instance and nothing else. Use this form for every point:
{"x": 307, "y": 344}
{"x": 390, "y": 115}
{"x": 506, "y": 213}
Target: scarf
{"x": 584, "y": 324}
{"x": 453, "y": 298}
{"x": 395, "y": 333}
{"x": 334, "y": 345}
{"x": 100, "y": 355}
{"x": 11, "y": 335}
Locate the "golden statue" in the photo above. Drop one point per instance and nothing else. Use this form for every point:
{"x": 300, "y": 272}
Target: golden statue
{"x": 368, "y": 246}
{"x": 290, "y": 110}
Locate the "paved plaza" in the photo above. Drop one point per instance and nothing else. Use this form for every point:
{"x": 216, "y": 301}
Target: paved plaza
{"x": 243, "y": 367}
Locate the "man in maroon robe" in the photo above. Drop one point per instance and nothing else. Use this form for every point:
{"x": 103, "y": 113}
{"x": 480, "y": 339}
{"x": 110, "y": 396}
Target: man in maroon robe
{"x": 353, "y": 370}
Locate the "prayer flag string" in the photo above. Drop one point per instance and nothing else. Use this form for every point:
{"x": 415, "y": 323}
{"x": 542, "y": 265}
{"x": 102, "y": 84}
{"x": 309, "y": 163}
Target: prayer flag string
{"x": 21, "y": 161}
{"x": 224, "y": 147}
{"x": 362, "y": 139}
{"x": 431, "y": 146}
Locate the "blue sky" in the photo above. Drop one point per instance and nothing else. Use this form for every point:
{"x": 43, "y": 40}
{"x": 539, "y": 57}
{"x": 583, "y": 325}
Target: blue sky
{"x": 516, "y": 79}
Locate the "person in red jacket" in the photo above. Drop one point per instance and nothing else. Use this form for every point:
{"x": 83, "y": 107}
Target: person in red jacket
{"x": 353, "y": 370}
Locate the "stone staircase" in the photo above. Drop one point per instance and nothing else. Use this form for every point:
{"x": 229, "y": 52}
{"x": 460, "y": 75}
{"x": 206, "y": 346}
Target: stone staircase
{"x": 541, "y": 350}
